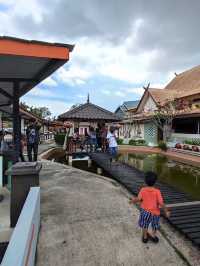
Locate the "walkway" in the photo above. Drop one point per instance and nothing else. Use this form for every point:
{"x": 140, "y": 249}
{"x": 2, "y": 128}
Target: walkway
{"x": 87, "y": 220}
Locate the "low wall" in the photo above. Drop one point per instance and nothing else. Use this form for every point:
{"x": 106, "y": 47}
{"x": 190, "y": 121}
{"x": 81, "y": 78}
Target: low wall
{"x": 181, "y": 137}
{"x": 22, "y": 246}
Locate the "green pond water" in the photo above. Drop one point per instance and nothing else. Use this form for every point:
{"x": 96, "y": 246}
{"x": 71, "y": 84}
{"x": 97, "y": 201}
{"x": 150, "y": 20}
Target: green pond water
{"x": 182, "y": 176}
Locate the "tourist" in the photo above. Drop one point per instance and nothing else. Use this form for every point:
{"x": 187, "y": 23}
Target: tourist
{"x": 22, "y": 145}
{"x": 104, "y": 132}
{"x": 33, "y": 137}
{"x": 112, "y": 142}
{"x": 151, "y": 201}
{"x": 3, "y": 145}
{"x": 93, "y": 139}
{"x": 98, "y": 136}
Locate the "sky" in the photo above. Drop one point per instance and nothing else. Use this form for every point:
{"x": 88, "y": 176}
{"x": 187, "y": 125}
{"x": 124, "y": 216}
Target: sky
{"x": 120, "y": 46}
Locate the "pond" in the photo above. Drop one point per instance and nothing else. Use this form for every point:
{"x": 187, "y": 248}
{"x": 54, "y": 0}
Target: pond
{"x": 182, "y": 176}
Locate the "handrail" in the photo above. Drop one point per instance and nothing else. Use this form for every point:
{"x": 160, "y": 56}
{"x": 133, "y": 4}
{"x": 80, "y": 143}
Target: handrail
{"x": 22, "y": 246}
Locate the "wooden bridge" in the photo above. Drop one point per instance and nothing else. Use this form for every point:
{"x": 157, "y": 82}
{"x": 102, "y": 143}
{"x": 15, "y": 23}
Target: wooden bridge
{"x": 185, "y": 213}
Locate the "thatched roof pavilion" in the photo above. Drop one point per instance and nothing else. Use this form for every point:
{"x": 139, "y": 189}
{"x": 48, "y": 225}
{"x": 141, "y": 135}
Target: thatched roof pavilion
{"x": 89, "y": 112}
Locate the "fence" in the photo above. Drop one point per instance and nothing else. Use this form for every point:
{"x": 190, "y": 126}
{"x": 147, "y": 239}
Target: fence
{"x": 46, "y": 136}
{"x": 22, "y": 246}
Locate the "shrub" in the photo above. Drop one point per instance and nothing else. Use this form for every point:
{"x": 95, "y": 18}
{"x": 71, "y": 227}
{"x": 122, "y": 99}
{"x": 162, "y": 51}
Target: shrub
{"x": 162, "y": 145}
{"x": 137, "y": 142}
{"x": 192, "y": 142}
{"x": 189, "y": 142}
{"x": 120, "y": 141}
{"x": 59, "y": 138}
{"x": 141, "y": 142}
{"x": 132, "y": 142}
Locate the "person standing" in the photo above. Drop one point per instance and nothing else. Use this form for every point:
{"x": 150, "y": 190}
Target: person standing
{"x": 93, "y": 139}
{"x": 104, "y": 132}
{"x": 33, "y": 136}
{"x": 112, "y": 142}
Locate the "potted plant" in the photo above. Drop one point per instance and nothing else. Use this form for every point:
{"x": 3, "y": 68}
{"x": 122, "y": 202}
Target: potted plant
{"x": 195, "y": 148}
{"x": 178, "y": 146}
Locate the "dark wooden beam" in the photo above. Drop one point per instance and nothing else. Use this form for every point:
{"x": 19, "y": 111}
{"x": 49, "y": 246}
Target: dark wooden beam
{"x": 16, "y": 120}
{"x": 17, "y": 80}
{"x": 5, "y": 104}
{"x": 5, "y": 93}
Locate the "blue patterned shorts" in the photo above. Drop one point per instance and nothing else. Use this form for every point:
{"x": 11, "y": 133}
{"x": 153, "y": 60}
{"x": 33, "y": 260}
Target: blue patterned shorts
{"x": 146, "y": 218}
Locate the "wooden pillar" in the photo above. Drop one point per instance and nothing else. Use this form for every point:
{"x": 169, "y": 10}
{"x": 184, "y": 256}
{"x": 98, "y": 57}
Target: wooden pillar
{"x": 198, "y": 127}
{"x": 16, "y": 120}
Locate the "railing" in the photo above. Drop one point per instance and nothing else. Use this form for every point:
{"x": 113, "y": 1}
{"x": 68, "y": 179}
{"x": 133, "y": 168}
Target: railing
{"x": 46, "y": 136}
{"x": 22, "y": 246}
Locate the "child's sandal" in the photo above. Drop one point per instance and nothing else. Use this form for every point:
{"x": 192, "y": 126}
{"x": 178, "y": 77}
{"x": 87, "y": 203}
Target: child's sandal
{"x": 154, "y": 239}
{"x": 145, "y": 240}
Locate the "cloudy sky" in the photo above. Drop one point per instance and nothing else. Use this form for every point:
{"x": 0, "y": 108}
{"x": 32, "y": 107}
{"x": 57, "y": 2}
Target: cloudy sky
{"x": 121, "y": 45}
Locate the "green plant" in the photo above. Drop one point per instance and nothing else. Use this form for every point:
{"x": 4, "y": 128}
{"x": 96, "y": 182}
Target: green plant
{"x": 132, "y": 142}
{"x": 59, "y": 138}
{"x": 192, "y": 142}
{"x": 138, "y": 142}
{"x": 162, "y": 145}
{"x": 120, "y": 141}
{"x": 141, "y": 142}
{"x": 189, "y": 142}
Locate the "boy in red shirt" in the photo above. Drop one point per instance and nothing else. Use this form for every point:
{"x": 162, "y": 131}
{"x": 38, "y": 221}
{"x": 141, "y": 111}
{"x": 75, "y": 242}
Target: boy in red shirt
{"x": 151, "y": 201}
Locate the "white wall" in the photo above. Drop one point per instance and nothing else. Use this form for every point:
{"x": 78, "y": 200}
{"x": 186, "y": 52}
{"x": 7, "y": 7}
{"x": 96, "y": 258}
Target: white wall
{"x": 182, "y": 136}
{"x": 149, "y": 105}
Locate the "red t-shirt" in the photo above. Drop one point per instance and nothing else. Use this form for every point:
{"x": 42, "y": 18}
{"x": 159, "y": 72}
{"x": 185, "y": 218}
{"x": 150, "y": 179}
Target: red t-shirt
{"x": 151, "y": 199}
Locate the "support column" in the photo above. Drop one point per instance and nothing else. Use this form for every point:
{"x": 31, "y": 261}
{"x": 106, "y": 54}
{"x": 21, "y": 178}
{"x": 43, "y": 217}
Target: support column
{"x": 16, "y": 120}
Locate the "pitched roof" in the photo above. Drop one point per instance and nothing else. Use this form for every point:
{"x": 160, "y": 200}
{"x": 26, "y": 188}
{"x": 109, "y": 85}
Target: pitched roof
{"x": 161, "y": 96}
{"x": 89, "y": 111}
{"x": 130, "y": 104}
{"x": 186, "y": 83}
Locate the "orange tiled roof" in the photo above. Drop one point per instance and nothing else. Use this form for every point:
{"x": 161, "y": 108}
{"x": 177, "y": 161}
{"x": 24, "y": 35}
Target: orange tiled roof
{"x": 183, "y": 85}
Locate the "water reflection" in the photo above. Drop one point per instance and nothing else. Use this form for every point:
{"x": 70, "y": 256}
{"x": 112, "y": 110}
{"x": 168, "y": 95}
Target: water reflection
{"x": 182, "y": 176}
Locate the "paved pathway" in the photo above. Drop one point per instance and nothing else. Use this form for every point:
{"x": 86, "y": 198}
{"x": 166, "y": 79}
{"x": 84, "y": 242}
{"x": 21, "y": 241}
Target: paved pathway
{"x": 86, "y": 220}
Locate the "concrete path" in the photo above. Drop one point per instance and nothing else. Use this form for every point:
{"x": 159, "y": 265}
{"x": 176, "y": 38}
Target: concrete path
{"x": 87, "y": 220}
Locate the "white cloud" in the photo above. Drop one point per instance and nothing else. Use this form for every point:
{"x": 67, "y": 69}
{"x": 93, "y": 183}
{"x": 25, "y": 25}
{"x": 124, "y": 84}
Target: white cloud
{"x": 106, "y": 92}
{"x": 55, "y": 107}
{"x": 50, "y": 82}
{"x": 42, "y": 92}
{"x": 75, "y": 75}
{"x": 120, "y": 93}
{"x": 138, "y": 90}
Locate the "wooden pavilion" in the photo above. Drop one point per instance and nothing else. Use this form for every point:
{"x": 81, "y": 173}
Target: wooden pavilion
{"x": 86, "y": 115}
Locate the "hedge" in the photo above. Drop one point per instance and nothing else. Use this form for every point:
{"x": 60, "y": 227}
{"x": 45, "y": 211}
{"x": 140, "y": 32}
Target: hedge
{"x": 59, "y": 138}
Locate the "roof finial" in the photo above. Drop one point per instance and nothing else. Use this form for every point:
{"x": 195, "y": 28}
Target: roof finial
{"x": 88, "y": 98}
{"x": 147, "y": 87}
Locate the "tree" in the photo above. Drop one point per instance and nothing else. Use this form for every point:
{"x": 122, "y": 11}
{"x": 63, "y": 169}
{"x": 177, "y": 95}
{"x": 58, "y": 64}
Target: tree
{"x": 164, "y": 114}
{"x": 41, "y": 112}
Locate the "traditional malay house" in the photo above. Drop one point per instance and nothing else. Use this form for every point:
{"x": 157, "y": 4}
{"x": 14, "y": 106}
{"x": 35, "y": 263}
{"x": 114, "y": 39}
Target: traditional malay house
{"x": 186, "y": 123}
{"x": 86, "y": 115}
{"x": 125, "y": 111}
